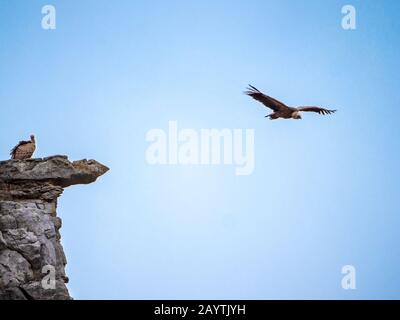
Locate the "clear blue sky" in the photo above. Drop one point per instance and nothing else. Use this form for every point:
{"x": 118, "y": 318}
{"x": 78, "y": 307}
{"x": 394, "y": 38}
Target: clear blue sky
{"x": 325, "y": 190}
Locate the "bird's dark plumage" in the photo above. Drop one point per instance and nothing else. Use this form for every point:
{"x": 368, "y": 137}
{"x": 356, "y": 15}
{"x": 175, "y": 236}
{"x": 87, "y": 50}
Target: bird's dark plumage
{"x": 280, "y": 109}
{"x": 265, "y": 100}
{"x": 24, "y": 149}
{"x": 316, "y": 109}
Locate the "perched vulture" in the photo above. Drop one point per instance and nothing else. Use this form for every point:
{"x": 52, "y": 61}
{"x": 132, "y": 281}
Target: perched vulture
{"x": 280, "y": 109}
{"x": 24, "y": 149}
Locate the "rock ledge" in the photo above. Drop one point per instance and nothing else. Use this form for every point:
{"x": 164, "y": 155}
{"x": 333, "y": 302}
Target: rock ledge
{"x": 32, "y": 260}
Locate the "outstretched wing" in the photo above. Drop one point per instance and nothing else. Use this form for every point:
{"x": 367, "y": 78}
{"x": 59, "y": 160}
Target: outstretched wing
{"x": 317, "y": 110}
{"x": 21, "y": 143}
{"x": 265, "y": 100}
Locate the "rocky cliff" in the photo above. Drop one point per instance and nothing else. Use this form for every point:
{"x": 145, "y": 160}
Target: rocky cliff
{"x": 32, "y": 260}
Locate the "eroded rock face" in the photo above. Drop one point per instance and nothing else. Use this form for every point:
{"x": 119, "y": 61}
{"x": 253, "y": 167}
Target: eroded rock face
{"x": 30, "y": 249}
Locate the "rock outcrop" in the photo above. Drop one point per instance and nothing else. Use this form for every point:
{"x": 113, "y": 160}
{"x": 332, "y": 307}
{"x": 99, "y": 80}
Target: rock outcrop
{"x": 32, "y": 260}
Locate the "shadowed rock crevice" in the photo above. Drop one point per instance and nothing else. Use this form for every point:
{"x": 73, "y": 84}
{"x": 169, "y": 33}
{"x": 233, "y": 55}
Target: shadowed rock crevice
{"x": 29, "y": 226}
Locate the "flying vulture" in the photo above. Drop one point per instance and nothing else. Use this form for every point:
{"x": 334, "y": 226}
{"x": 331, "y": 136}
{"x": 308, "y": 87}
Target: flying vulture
{"x": 24, "y": 149}
{"x": 280, "y": 109}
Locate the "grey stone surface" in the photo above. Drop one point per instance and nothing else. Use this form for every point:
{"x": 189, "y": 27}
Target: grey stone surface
{"x": 29, "y": 226}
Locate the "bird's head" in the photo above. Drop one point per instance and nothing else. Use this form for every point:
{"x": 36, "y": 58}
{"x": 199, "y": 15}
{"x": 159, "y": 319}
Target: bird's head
{"x": 32, "y": 137}
{"x": 296, "y": 116}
